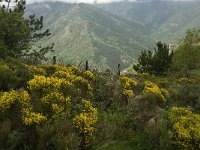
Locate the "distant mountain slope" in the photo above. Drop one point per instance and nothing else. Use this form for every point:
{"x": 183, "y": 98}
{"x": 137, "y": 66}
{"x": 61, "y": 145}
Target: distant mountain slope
{"x": 164, "y": 20}
{"x": 83, "y": 32}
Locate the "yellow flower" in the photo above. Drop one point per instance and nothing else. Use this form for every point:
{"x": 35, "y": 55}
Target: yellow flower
{"x": 57, "y": 108}
{"x": 88, "y": 75}
{"x": 128, "y": 85}
{"x": 152, "y": 89}
{"x": 186, "y": 128}
{"x": 7, "y": 99}
{"x": 81, "y": 82}
{"x": 31, "y": 118}
{"x": 35, "y": 70}
{"x": 127, "y": 92}
{"x": 84, "y": 123}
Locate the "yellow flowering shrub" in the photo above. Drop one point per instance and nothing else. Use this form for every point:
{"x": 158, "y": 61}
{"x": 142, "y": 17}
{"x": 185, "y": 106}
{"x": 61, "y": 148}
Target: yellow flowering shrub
{"x": 153, "y": 91}
{"x": 30, "y": 118}
{"x": 51, "y": 97}
{"x": 185, "y": 128}
{"x": 127, "y": 92}
{"x": 7, "y": 99}
{"x": 24, "y": 99}
{"x": 165, "y": 93}
{"x": 143, "y": 75}
{"x": 184, "y": 80}
{"x": 51, "y": 69}
{"x": 35, "y": 70}
{"x": 73, "y": 75}
{"x": 8, "y": 78}
{"x": 42, "y": 84}
{"x": 85, "y": 124}
{"x": 74, "y": 70}
{"x": 88, "y": 75}
{"x": 63, "y": 74}
{"x": 51, "y": 93}
{"x": 80, "y": 82}
{"x": 4, "y": 68}
{"x": 57, "y": 108}
{"x": 56, "y": 102}
{"x": 128, "y": 85}
{"x": 14, "y": 75}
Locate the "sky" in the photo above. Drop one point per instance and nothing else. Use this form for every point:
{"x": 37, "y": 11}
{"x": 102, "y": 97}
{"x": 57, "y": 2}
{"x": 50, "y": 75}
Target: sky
{"x": 76, "y": 1}
{"x": 85, "y": 1}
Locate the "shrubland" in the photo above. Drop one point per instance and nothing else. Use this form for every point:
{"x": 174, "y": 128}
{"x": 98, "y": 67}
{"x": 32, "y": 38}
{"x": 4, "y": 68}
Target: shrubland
{"x": 63, "y": 107}
{"x": 57, "y": 107}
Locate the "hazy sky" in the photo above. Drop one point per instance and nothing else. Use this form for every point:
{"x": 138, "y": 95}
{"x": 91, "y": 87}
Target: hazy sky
{"x": 85, "y": 1}
{"x": 76, "y": 1}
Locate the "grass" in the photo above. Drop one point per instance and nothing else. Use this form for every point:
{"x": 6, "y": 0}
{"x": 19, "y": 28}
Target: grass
{"x": 195, "y": 71}
{"x": 117, "y": 146}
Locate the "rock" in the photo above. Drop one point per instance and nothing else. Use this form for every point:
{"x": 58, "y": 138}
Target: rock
{"x": 143, "y": 112}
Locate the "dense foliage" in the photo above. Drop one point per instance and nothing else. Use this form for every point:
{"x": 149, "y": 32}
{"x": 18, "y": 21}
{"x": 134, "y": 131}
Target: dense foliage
{"x": 188, "y": 53}
{"x": 59, "y": 107}
{"x": 18, "y": 36}
{"x": 50, "y": 94}
{"x": 157, "y": 63}
{"x": 186, "y": 126}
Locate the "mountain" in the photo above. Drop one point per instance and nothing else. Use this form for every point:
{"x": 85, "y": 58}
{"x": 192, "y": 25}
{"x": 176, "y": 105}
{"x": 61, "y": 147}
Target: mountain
{"x": 113, "y": 33}
{"x": 164, "y": 20}
{"x": 84, "y": 32}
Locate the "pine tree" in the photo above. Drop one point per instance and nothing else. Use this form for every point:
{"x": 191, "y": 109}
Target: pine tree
{"x": 144, "y": 62}
{"x": 157, "y": 63}
{"x": 162, "y": 59}
{"x": 19, "y": 36}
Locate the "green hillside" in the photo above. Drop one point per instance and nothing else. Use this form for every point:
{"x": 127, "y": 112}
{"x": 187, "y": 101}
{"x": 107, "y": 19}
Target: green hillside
{"x": 83, "y": 32}
{"x": 164, "y": 20}
{"x": 113, "y": 33}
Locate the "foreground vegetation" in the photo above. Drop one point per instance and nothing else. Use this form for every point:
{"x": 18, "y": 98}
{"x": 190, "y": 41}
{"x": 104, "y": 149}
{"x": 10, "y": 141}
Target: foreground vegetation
{"x": 62, "y": 107}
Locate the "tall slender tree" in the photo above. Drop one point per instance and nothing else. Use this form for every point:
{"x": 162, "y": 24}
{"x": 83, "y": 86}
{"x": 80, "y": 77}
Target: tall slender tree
{"x": 19, "y": 36}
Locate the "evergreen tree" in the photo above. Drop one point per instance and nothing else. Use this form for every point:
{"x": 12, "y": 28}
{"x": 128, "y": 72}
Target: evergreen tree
{"x": 162, "y": 59}
{"x": 157, "y": 63}
{"x": 144, "y": 62}
{"x": 19, "y": 36}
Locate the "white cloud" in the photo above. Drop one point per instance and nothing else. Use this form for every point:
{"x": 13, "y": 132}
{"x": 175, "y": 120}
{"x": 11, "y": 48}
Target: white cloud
{"x": 86, "y": 1}
{"x": 76, "y": 1}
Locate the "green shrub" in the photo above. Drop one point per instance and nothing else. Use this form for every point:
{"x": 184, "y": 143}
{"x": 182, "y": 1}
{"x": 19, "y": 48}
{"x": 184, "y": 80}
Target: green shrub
{"x": 154, "y": 94}
{"x": 85, "y": 124}
{"x": 128, "y": 85}
{"x": 185, "y": 128}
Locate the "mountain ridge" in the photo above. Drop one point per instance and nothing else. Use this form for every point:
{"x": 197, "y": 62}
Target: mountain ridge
{"x": 114, "y": 33}
{"x": 165, "y": 20}
{"x": 83, "y": 32}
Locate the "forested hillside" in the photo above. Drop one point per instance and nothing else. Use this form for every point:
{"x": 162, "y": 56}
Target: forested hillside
{"x": 165, "y": 21}
{"x": 113, "y": 33}
{"x": 83, "y": 32}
